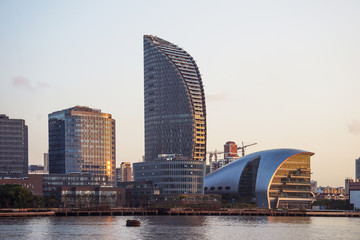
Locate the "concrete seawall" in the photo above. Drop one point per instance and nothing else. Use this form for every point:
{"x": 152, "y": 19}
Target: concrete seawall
{"x": 175, "y": 212}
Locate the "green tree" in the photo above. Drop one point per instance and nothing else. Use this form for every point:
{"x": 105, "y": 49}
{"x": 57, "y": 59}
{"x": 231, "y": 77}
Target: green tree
{"x": 15, "y": 196}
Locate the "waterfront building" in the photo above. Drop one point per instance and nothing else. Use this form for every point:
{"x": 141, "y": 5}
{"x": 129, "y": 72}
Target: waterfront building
{"x": 175, "y": 120}
{"x": 354, "y": 191}
{"x": 278, "y": 178}
{"x": 13, "y": 148}
{"x": 174, "y": 102}
{"x": 33, "y": 182}
{"x": 73, "y": 189}
{"x": 357, "y": 169}
{"x": 82, "y": 139}
{"x": 172, "y": 174}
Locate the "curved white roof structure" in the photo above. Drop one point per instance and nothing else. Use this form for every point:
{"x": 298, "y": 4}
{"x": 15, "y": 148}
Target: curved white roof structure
{"x": 272, "y": 178}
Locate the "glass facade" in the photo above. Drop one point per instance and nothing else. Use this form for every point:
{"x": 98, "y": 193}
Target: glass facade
{"x": 174, "y": 102}
{"x": 13, "y": 148}
{"x": 247, "y": 181}
{"x": 173, "y": 177}
{"x": 291, "y": 182}
{"x": 82, "y": 139}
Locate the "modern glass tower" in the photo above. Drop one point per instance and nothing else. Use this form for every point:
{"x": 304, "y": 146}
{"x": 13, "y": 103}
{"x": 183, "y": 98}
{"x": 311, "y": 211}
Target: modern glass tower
{"x": 175, "y": 112}
{"x": 82, "y": 139}
{"x": 175, "y": 120}
{"x": 13, "y": 148}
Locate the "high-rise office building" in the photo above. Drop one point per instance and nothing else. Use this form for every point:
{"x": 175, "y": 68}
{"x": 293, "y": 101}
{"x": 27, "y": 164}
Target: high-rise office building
{"x": 357, "y": 169}
{"x": 175, "y": 112}
{"x": 175, "y": 120}
{"x": 82, "y": 139}
{"x": 13, "y": 148}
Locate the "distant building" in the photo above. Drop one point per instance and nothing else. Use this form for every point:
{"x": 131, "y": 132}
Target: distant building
{"x": 313, "y": 186}
{"x": 230, "y": 154}
{"x": 335, "y": 193}
{"x": 278, "y": 178}
{"x": 347, "y": 185}
{"x": 331, "y": 190}
{"x": 118, "y": 175}
{"x": 230, "y": 150}
{"x": 354, "y": 190}
{"x": 82, "y": 139}
{"x": 357, "y": 169}
{"x": 36, "y": 169}
{"x": 46, "y": 163}
{"x": 126, "y": 172}
{"x": 13, "y": 148}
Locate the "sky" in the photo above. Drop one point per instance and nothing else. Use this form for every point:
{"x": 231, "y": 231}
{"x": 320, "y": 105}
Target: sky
{"x": 282, "y": 74}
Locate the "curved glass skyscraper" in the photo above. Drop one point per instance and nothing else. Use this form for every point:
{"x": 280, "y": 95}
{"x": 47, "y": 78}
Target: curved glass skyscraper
{"x": 175, "y": 113}
{"x": 175, "y": 120}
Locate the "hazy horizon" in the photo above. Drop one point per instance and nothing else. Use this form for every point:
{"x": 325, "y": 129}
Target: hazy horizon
{"x": 282, "y": 74}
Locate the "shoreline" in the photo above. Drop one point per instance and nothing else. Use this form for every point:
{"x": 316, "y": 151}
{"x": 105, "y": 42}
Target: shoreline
{"x": 174, "y": 212}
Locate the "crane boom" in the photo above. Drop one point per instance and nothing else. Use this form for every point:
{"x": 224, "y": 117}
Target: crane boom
{"x": 245, "y": 146}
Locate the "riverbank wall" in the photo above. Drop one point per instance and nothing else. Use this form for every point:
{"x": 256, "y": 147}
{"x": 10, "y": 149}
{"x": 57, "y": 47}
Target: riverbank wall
{"x": 173, "y": 212}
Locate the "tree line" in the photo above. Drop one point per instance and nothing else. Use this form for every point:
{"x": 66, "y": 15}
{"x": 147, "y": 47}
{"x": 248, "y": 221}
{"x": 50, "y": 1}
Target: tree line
{"x": 17, "y": 196}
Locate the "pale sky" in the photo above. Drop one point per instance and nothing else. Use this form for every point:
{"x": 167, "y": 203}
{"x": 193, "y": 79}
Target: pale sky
{"x": 283, "y": 74}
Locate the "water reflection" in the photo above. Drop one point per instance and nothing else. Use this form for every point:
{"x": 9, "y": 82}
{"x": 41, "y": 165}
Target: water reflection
{"x": 177, "y": 227}
{"x": 292, "y": 220}
{"x": 180, "y": 227}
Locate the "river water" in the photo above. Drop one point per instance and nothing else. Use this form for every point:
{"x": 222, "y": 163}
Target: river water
{"x": 180, "y": 227}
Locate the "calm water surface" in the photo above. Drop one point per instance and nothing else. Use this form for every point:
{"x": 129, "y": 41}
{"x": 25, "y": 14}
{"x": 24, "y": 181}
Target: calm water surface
{"x": 180, "y": 227}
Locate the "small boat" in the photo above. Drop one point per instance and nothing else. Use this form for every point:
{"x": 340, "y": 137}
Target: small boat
{"x": 132, "y": 223}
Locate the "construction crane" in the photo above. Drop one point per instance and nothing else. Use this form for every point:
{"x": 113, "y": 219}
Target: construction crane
{"x": 245, "y": 146}
{"x": 213, "y": 153}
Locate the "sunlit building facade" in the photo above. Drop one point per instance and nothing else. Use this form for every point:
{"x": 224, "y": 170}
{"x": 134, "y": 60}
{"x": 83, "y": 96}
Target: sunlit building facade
{"x": 82, "y": 139}
{"x": 277, "y": 178}
{"x": 13, "y": 148}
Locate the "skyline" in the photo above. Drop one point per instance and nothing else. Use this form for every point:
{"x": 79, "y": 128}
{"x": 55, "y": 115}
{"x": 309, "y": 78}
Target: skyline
{"x": 281, "y": 74}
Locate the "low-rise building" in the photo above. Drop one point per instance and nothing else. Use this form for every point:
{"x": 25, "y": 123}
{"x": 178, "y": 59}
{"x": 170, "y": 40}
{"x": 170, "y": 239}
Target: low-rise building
{"x": 34, "y": 182}
{"x": 73, "y": 190}
{"x": 354, "y": 190}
